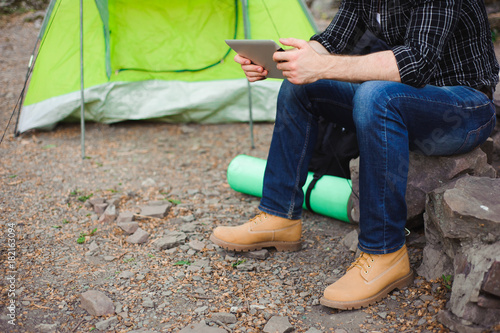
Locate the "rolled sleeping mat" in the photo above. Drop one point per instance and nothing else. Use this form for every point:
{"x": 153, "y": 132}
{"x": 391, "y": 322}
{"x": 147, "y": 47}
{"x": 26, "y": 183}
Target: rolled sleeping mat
{"x": 329, "y": 197}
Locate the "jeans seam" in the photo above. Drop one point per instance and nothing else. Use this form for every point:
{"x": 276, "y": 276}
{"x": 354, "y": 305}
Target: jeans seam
{"x": 385, "y": 173}
{"x": 420, "y": 98}
{"x": 383, "y": 251}
{"x": 278, "y": 213}
{"x": 299, "y": 167}
{"x": 477, "y": 130}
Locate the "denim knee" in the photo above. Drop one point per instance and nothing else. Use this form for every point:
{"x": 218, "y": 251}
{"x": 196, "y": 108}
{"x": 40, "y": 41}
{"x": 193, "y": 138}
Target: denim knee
{"x": 370, "y": 97}
{"x": 287, "y": 90}
{"x": 290, "y": 92}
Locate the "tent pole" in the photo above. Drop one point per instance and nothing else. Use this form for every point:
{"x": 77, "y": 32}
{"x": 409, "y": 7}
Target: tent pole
{"x": 82, "y": 104}
{"x": 250, "y": 114}
{"x": 246, "y": 25}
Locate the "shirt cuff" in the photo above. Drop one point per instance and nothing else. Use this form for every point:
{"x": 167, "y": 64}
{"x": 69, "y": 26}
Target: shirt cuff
{"x": 409, "y": 70}
{"x": 326, "y": 44}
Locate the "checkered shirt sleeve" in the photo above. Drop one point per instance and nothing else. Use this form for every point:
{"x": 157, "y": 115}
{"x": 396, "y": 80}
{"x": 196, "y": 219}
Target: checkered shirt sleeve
{"x": 439, "y": 42}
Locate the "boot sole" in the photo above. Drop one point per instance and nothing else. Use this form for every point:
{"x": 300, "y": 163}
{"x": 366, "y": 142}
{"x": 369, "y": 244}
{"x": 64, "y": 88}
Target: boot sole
{"x": 279, "y": 246}
{"x": 405, "y": 281}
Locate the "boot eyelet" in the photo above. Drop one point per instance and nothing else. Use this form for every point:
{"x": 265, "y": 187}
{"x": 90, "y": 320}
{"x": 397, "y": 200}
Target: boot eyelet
{"x": 369, "y": 266}
{"x": 366, "y": 272}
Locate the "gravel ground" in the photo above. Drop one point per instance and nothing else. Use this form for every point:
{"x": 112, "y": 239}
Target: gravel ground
{"x": 62, "y": 250}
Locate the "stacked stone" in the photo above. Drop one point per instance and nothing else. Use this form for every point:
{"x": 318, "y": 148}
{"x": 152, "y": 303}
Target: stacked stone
{"x": 462, "y": 229}
{"x": 425, "y": 173}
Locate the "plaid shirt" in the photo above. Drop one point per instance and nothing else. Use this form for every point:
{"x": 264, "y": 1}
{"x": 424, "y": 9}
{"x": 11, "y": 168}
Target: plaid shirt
{"x": 438, "y": 42}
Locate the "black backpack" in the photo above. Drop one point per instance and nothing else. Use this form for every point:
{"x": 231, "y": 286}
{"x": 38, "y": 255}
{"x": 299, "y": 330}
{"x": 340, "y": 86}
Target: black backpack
{"x": 336, "y": 146}
{"x": 334, "y": 149}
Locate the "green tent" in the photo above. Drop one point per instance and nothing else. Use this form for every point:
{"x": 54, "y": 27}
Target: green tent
{"x": 153, "y": 59}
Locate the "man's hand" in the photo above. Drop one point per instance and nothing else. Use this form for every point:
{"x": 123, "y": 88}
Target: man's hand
{"x": 309, "y": 62}
{"x": 302, "y": 64}
{"x": 253, "y": 72}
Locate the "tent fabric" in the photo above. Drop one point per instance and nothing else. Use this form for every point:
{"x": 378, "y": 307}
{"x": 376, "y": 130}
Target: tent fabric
{"x": 200, "y": 102}
{"x": 153, "y": 59}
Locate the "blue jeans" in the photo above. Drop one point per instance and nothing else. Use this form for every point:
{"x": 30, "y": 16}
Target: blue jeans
{"x": 390, "y": 119}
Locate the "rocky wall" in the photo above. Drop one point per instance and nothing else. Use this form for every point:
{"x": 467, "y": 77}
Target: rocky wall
{"x": 462, "y": 229}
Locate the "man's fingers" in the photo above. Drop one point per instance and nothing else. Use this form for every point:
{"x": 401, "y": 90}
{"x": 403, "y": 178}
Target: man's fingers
{"x": 286, "y": 66}
{"x": 252, "y": 77}
{"x": 242, "y": 60}
{"x": 288, "y": 55}
{"x": 252, "y": 69}
{"x": 255, "y": 75}
{"x": 280, "y": 56}
{"x": 293, "y": 42}
{"x": 253, "y": 72}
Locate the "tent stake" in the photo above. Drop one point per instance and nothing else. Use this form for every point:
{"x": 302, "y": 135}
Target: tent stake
{"x": 82, "y": 104}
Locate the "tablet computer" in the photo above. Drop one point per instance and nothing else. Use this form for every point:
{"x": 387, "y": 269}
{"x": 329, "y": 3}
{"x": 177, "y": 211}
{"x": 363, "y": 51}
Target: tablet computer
{"x": 260, "y": 52}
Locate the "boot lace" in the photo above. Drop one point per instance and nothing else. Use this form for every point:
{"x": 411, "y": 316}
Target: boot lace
{"x": 364, "y": 262}
{"x": 258, "y": 218}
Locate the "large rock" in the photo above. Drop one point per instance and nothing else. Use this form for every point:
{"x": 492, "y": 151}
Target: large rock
{"x": 97, "y": 303}
{"x": 156, "y": 210}
{"x": 201, "y": 327}
{"x": 462, "y": 229}
{"x": 224, "y": 317}
{"x": 109, "y": 214}
{"x": 426, "y": 173}
{"x": 170, "y": 240}
{"x": 138, "y": 237}
{"x": 125, "y": 217}
{"x": 47, "y": 328}
{"x": 129, "y": 227}
{"x": 278, "y": 324}
{"x": 496, "y": 144}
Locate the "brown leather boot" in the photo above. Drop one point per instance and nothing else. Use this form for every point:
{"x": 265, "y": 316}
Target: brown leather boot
{"x": 369, "y": 279}
{"x": 262, "y": 231}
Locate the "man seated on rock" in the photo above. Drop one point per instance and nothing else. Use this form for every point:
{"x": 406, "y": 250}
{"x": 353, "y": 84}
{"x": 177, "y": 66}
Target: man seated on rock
{"x": 431, "y": 91}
